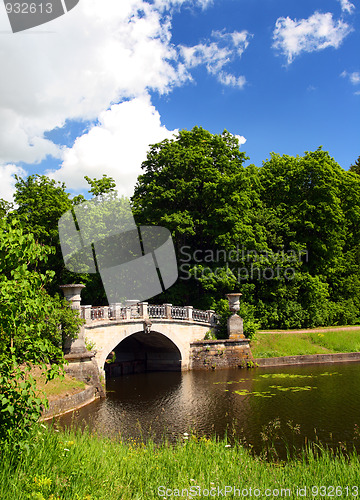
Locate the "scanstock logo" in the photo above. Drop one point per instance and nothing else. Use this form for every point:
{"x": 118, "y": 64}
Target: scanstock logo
{"x": 25, "y": 15}
{"x": 134, "y": 262}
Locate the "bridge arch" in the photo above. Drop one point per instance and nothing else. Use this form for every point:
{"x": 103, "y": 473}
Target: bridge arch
{"x": 107, "y": 332}
{"x": 107, "y": 336}
{"x": 144, "y": 351}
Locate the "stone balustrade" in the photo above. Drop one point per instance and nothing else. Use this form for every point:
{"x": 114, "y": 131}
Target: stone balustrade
{"x": 142, "y": 310}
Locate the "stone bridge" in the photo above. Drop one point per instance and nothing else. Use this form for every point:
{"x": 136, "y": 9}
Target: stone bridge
{"x": 143, "y": 337}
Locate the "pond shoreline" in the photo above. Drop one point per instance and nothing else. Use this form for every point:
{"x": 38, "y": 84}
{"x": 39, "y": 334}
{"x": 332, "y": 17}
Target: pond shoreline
{"x": 74, "y": 402}
{"x": 341, "y": 357}
{"x": 67, "y": 404}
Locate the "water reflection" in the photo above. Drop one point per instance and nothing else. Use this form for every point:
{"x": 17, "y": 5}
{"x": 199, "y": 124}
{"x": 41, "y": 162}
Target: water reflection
{"x": 237, "y": 402}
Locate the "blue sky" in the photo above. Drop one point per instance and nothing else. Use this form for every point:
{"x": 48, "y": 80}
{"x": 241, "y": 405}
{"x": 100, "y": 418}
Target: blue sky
{"x": 87, "y": 93}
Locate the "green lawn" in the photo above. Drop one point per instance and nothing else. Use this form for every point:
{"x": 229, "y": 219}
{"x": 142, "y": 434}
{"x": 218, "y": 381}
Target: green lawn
{"x": 269, "y": 345}
{"x": 75, "y": 466}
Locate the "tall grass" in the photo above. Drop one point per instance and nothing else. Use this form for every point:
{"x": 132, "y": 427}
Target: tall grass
{"x": 267, "y": 345}
{"x": 71, "y": 465}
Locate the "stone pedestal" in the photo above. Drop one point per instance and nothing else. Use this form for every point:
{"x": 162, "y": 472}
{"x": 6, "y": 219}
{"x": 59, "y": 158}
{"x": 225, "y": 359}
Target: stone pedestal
{"x": 235, "y": 324}
{"x": 72, "y": 294}
{"x": 81, "y": 363}
{"x": 235, "y": 327}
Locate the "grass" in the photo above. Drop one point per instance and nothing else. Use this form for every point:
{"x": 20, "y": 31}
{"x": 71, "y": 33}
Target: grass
{"x": 57, "y": 388}
{"x": 269, "y": 345}
{"x": 70, "y": 465}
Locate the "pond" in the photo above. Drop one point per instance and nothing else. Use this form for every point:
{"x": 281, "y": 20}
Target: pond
{"x": 312, "y": 402}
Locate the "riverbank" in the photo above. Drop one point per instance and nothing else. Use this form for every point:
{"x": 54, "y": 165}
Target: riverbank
{"x": 74, "y": 465}
{"x": 273, "y": 344}
{"x": 58, "y": 388}
{"x": 64, "y": 394}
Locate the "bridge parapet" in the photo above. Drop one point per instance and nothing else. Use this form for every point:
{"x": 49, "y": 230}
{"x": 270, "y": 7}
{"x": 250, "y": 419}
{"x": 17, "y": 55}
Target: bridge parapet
{"x": 143, "y": 310}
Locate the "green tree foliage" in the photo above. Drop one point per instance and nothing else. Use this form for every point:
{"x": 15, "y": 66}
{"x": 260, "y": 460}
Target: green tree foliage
{"x": 40, "y": 204}
{"x": 196, "y": 186}
{"x": 355, "y": 168}
{"x": 32, "y": 325}
{"x": 292, "y": 227}
{"x": 315, "y": 209}
{"x": 101, "y": 186}
{"x": 286, "y": 234}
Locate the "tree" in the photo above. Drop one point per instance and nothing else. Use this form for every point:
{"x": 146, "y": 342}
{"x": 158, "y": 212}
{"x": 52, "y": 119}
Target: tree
{"x": 315, "y": 210}
{"x": 30, "y": 332}
{"x": 41, "y": 202}
{"x": 196, "y": 185}
{"x": 355, "y": 167}
{"x": 304, "y": 194}
{"x": 101, "y": 186}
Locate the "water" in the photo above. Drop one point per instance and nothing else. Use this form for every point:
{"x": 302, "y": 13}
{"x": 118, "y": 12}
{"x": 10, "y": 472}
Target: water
{"x": 324, "y": 400}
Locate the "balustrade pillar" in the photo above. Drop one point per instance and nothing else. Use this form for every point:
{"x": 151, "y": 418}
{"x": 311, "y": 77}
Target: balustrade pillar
{"x": 189, "y": 312}
{"x": 106, "y": 312}
{"x": 210, "y": 313}
{"x": 143, "y": 306}
{"x": 117, "y": 309}
{"x": 168, "y": 314}
{"x": 86, "y": 313}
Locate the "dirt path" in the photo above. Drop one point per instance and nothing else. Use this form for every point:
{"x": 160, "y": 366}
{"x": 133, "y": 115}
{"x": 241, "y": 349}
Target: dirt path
{"x": 315, "y": 330}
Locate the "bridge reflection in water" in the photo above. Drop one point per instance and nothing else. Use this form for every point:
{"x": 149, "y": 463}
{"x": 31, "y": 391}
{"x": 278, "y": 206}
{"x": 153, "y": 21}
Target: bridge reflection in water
{"x": 235, "y": 402}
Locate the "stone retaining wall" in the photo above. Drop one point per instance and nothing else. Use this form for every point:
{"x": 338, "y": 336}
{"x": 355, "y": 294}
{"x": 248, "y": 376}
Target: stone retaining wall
{"x": 217, "y": 354}
{"x": 70, "y": 403}
{"x": 309, "y": 359}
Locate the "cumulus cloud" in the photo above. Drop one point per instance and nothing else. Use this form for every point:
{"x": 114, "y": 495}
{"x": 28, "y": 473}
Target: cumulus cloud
{"x": 215, "y": 55}
{"x": 7, "y": 180}
{"x": 318, "y": 32}
{"x": 347, "y": 6}
{"x": 168, "y": 4}
{"x": 231, "y": 80}
{"x": 353, "y": 77}
{"x": 77, "y": 66}
{"x": 241, "y": 139}
{"x": 116, "y": 146}
{"x": 80, "y": 67}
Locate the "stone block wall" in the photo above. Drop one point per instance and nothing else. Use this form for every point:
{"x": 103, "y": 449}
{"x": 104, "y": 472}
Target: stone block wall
{"x": 217, "y": 354}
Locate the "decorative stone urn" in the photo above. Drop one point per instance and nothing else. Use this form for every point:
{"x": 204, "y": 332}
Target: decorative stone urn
{"x": 235, "y": 324}
{"x": 234, "y": 301}
{"x": 72, "y": 294}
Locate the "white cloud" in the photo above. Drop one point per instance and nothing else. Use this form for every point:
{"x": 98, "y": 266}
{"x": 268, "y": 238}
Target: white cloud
{"x": 239, "y": 39}
{"x": 210, "y": 55}
{"x": 77, "y": 66}
{"x": 319, "y": 31}
{"x": 215, "y": 55}
{"x": 168, "y": 4}
{"x": 347, "y": 6}
{"x": 353, "y": 77}
{"x": 241, "y": 139}
{"x": 116, "y": 146}
{"x": 7, "y": 180}
{"x": 231, "y": 80}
